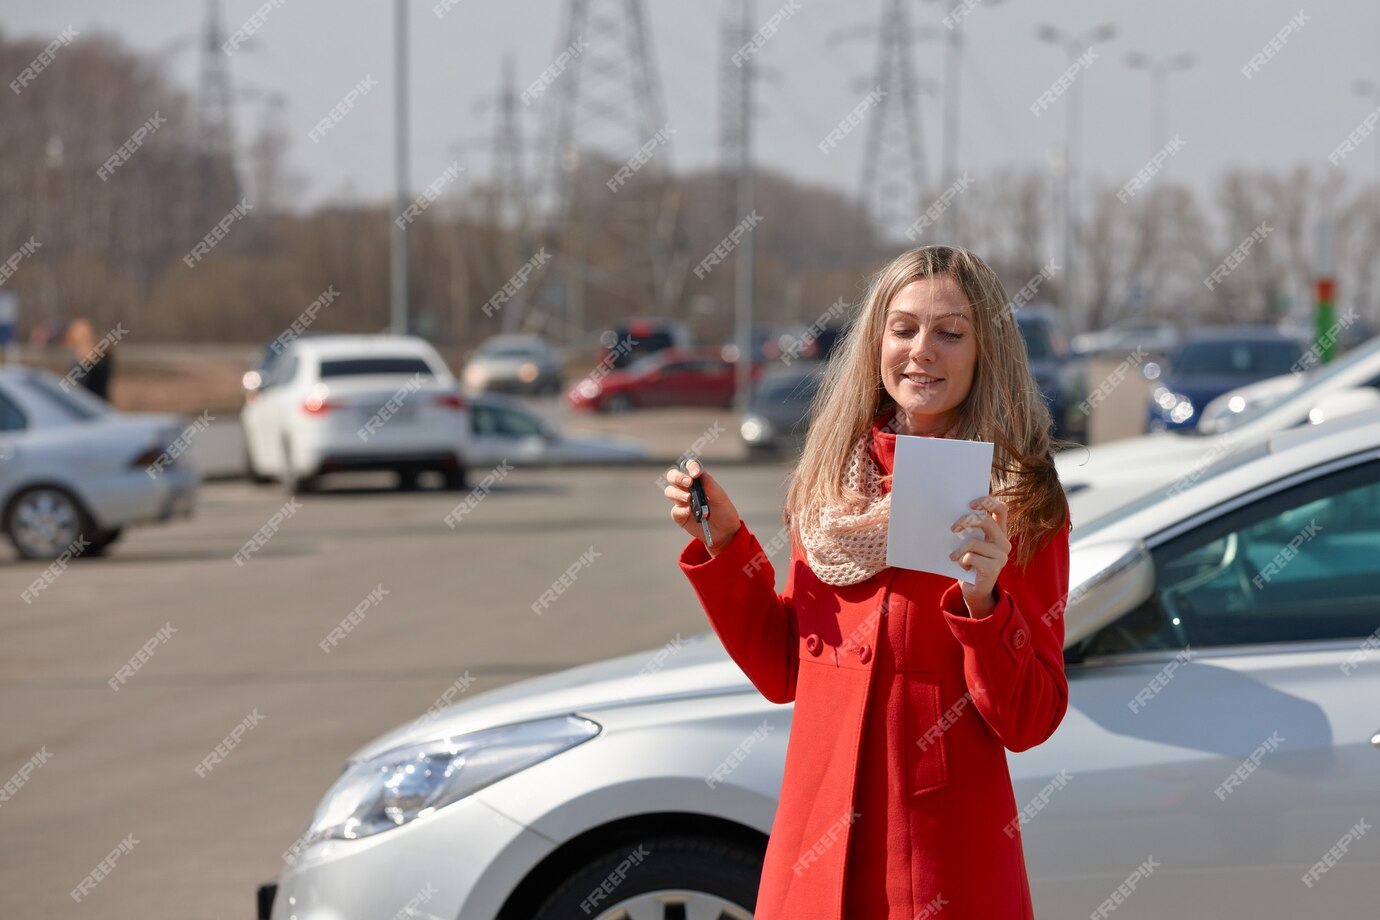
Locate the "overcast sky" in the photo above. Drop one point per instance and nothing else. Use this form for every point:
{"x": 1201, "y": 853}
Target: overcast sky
{"x": 1294, "y": 110}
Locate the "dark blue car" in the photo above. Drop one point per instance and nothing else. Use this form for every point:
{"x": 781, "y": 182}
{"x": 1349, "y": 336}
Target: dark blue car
{"x": 1212, "y": 361}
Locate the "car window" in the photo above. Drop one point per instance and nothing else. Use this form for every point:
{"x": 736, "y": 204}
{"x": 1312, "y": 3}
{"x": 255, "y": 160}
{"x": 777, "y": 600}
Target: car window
{"x": 78, "y": 402}
{"x": 1259, "y": 359}
{"x": 280, "y": 372}
{"x": 11, "y": 416}
{"x": 1037, "y": 344}
{"x": 1296, "y": 566}
{"x": 357, "y": 367}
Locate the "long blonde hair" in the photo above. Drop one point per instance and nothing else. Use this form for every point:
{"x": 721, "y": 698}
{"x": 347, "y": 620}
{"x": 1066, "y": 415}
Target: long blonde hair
{"x": 1003, "y": 406}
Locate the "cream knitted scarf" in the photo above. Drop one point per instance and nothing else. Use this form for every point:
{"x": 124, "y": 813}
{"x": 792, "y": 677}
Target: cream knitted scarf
{"x": 846, "y": 546}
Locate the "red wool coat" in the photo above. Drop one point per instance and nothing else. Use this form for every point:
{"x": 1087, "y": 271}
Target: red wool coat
{"x": 896, "y": 802}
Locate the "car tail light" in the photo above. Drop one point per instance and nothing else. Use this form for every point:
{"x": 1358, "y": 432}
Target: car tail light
{"x": 148, "y": 457}
{"x": 449, "y": 401}
{"x": 315, "y": 405}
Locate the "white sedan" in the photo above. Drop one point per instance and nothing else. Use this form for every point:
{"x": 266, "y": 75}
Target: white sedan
{"x": 506, "y": 430}
{"x": 1220, "y": 755}
{"x": 74, "y": 471}
{"x": 339, "y": 403}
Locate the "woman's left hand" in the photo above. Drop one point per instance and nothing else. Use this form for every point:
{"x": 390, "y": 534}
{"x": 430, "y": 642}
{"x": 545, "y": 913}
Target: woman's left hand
{"x": 986, "y": 556}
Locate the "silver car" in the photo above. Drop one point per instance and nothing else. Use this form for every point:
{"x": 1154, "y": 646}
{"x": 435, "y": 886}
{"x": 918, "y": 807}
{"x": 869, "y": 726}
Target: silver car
{"x": 1220, "y": 755}
{"x": 74, "y": 471}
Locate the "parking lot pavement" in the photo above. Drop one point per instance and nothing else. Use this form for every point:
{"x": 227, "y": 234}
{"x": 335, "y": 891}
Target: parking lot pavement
{"x": 209, "y": 645}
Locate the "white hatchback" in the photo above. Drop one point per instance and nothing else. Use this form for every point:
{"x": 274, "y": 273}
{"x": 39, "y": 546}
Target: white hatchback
{"x": 340, "y": 403}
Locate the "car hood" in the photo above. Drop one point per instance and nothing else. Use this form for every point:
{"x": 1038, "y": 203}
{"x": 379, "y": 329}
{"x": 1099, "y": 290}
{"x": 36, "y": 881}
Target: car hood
{"x": 696, "y": 666}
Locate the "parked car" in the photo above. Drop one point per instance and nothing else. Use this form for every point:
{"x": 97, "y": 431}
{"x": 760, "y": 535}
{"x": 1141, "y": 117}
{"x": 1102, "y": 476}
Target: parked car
{"x": 626, "y": 342}
{"x": 1155, "y": 336}
{"x": 697, "y": 376}
{"x": 340, "y": 403}
{"x": 1107, "y": 475}
{"x": 504, "y": 429}
{"x": 74, "y": 470}
{"x": 1210, "y": 362}
{"x": 522, "y": 363}
{"x": 812, "y": 343}
{"x": 1059, "y": 377}
{"x": 777, "y": 416}
{"x": 1220, "y": 723}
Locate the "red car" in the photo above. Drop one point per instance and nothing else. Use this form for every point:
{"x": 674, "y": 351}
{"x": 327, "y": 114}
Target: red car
{"x": 671, "y": 377}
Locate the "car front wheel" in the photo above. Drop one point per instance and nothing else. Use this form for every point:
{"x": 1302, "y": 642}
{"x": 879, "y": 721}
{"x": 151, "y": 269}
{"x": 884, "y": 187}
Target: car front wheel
{"x": 662, "y": 878}
{"x": 44, "y": 522}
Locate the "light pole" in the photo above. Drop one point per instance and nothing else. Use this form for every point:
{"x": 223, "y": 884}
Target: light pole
{"x": 742, "y": 261}
{"x": 1370, "y": 91}
{"x": 397, "y": 301}
{"x": 1074, "y": 46}
{"x": 1159, "y": 70}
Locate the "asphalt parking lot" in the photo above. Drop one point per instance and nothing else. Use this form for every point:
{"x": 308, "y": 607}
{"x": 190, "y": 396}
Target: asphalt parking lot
{"x": 209, "y": 645}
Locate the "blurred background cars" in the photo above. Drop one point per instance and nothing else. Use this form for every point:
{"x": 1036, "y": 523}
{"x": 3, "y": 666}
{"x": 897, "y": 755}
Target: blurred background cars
{"x": 504, "y": 429}
{"x": 1158, "y": 337}
{"x": 1059, "y": 376}
{"x": 628, "y": 341}
{"x": 525, "y": 798}
{"x": 343, "y": 403}
{"x": 1211, "y": 361}
{"x": 514, "y": 363}
{"x": 75, "y": 470}
{"x": 697, "y": 376}
{"x": 777, "y": 416}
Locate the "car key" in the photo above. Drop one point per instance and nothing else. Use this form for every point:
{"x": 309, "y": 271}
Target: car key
{"x": 699, "y": 505}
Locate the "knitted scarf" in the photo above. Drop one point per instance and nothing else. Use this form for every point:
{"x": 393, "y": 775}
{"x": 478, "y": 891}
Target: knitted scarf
{"x": 846, "y": 546}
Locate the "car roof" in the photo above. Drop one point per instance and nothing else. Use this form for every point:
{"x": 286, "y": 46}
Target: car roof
{"x": 335, "y": 345}
{"x": 1236, "y": 333}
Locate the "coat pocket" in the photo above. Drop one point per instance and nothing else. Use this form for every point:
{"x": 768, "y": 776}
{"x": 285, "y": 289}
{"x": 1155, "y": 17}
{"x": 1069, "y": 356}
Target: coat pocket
{"x": 926, "y": 755}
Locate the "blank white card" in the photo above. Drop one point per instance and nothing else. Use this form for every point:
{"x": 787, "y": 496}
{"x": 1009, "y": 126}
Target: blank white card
{"x": 933, "y": 481}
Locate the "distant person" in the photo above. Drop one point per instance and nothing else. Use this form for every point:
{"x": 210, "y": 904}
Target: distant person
{"x": 92, "y": 364}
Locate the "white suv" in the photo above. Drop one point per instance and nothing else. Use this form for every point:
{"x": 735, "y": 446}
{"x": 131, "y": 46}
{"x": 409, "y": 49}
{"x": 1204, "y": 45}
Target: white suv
{"x": 338, "y": 403}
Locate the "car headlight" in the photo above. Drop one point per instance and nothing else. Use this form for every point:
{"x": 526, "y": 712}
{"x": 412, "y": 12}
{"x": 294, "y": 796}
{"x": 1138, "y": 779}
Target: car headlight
{"x": 411, "y": 782}
{"x": 587, "y": 388}
{"x": 754, "y": 429}
{"x": 1175, "y": 406}
{"x": 475, "y": 375}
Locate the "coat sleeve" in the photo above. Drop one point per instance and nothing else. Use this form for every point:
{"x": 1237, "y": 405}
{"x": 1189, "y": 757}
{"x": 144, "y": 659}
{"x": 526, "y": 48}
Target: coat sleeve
{"x": 757, "y": 626}
{"x": 1013, "y": 659}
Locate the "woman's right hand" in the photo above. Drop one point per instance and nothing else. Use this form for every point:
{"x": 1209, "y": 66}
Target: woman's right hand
{"x": 723, "y": 517}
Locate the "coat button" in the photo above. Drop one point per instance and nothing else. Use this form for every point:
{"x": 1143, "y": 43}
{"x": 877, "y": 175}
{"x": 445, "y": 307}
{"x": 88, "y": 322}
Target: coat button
{"x": 1018, "y": 638}
{"x": 865, "y": 654}
{"x": 812, "y": 644}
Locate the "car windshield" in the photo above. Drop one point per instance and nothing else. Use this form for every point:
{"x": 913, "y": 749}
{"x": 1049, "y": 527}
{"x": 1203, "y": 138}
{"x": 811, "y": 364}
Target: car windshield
{"x": 77, "y": 402}
{"x": 510, "y": 351}
{"x": 357, "y": 367}
{"x": 1315, "y": 379}
{"x": 1037, "y": 344}
{"x": 1241, "y": 357}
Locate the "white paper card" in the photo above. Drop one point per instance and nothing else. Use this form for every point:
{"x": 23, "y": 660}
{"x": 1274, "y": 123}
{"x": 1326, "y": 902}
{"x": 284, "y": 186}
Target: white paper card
{"x": 933, "y": 481}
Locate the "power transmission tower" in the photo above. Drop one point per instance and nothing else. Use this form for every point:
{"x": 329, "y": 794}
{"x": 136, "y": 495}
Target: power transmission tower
{"x": 511, "y": 206}
{"x": 214, "y": 138}
{"x": 612, "y": 211}
{"x": 893, "y": 175}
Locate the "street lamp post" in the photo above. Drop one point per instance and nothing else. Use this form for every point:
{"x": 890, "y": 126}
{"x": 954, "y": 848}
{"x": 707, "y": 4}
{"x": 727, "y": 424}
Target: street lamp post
{"x": 1159, "y": 70}
{"x": 1074, "y": 46}
{"x": 397, "y": 301}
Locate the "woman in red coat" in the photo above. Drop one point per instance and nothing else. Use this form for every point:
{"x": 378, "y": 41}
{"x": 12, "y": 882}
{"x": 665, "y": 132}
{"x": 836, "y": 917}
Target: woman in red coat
{"x": 909, "y": 687}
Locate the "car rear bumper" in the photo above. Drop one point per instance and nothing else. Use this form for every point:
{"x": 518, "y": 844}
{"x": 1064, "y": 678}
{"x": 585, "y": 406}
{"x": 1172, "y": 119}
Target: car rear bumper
{"x": 135, "y": 497}
{"x": 412, "y": 461}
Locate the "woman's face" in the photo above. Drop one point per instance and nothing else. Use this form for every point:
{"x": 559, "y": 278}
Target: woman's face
{"x": 929, "y": 353}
